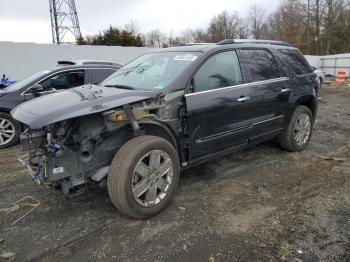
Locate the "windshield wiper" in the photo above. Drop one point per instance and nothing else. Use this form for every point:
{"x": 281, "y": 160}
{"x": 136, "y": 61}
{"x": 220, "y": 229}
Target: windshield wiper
{"x": 121, "y": 87}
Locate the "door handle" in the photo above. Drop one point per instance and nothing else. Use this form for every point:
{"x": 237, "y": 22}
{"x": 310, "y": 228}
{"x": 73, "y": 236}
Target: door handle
{"x": 285, "y": 90}
{"x": 243, "y": 98}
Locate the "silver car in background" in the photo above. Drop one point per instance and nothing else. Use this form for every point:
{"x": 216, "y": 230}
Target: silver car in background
{"x": 321, "y": 76}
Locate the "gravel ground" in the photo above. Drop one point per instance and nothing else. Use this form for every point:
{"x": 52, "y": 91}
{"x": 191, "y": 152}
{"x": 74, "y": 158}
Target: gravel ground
{"x": 261, "y": 204}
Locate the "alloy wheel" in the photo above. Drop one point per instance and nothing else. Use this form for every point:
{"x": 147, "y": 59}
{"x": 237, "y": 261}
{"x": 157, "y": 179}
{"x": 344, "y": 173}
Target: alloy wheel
{"x": 152, "y": 178}
{"x": 302, "y": 129}
{"x": 7, "y": 131}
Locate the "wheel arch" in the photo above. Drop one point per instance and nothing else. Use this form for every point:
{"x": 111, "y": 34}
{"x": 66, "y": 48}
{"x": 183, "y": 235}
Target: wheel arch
{"x": 309, "y": 101}
{"x": 8, "y": 111}
{"x": 5, "y": 110}
{"x": 158, "y": 129}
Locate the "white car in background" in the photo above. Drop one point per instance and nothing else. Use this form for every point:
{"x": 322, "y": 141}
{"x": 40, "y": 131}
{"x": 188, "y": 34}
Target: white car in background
{"x": 319, "y": 74}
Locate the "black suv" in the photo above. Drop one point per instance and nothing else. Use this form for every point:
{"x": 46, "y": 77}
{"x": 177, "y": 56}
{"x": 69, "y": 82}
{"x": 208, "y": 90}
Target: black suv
{"x": 166, "y": 111}
{"x": 66, "y": 75}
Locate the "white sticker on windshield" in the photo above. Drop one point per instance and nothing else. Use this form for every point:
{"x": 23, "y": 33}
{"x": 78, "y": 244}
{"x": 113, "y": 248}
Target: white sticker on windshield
{"x": 187, "y": 57}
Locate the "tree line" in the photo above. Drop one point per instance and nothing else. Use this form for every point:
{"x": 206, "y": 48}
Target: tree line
{"x": 316, "y": 27}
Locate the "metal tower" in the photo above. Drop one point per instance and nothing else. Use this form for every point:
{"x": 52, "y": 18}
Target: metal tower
{"x": 64, "y": 22}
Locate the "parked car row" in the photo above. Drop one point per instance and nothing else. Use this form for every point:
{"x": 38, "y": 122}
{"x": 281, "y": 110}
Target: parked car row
{"x": 165, "y": 111}
{"x": 66, "y": 75}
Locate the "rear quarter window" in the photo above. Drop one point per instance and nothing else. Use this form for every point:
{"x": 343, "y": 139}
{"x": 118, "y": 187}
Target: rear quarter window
{"x": 296, "y": 61}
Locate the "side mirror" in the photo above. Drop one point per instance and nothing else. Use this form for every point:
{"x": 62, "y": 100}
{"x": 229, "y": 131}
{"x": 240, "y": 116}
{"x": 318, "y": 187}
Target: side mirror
{"x": 37, "y": 89}
{"x": 313, "y": 68}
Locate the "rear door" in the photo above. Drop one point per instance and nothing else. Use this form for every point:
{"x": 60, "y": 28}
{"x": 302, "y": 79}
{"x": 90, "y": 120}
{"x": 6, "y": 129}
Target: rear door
{"x": 270, "y": 92}
{"x": 219, "y": 107}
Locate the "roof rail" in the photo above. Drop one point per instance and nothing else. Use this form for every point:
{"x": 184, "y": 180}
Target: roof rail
{"x": 191, "y": 44}
{"x": 87, "y": 62}
{"x": 252, "y": 41}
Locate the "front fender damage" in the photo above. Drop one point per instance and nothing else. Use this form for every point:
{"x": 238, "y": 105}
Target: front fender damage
{"x": 74, "y": 152}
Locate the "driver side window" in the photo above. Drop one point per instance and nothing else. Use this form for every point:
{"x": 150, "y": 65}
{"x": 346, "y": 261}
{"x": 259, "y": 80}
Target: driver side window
{"x": 221, "y": 70}
{"x": 64, "y": 81}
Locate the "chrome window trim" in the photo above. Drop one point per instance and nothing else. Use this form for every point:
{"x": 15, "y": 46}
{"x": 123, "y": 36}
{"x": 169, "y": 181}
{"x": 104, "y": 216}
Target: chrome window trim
{"x": 63, "y": 71}
{"x": 268, "y": 81}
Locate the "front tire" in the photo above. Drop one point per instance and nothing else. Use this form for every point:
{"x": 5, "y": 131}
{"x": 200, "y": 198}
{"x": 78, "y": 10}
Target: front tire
{"x": 10, "y": 131}
{"x": 297, "y": 135}
{"x": 143, "y": 176}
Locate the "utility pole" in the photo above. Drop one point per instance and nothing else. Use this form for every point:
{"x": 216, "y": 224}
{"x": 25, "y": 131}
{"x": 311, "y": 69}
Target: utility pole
{"x": 64, "y": 22}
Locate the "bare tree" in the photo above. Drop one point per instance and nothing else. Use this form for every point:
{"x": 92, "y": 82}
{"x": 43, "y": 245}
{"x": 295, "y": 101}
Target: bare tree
{"x": 187, "y": 36}
{"x": 132, "y": 27}
{"x": 288, "y": 23}
{"x": 256, "y": 21}
{"x": 156, "y": 38}
{"x": 200, "y": 35}
{"x": 243, "y": 29}
{"x": 223, "y": 26}
{"x": 315, "y": 26}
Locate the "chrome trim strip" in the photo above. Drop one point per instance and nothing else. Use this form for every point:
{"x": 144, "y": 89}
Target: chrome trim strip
{"x": 239, "y": 86}
{"x": 229, "y": 132}
{"x": 222, "y": 134}
{"x": 67, "y": 70}
{"x": 267, "y": 120}
{"x": 266, "y": 133}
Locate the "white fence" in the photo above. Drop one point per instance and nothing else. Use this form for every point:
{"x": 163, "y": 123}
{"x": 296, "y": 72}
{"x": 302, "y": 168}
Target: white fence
{"x": 19, "y": 60}
{"x": 331, "y": 64}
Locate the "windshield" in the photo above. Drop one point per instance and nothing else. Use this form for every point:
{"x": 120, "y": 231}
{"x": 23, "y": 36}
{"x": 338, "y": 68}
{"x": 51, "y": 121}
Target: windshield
{"x": 20, "y": 84}
{"x": 152, "y": 71}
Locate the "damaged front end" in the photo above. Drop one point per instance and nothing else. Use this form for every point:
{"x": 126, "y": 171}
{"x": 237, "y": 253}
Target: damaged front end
{"x": 72, "y": 153}
{"x": 73, "y": 141}
{"x": 68, "y": 154}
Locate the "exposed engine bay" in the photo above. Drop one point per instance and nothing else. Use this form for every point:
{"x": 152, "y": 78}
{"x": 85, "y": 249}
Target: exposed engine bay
{"x": 75, "y": 152}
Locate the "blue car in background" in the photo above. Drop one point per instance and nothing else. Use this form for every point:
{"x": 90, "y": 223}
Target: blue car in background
{"x": 5, "y": 82}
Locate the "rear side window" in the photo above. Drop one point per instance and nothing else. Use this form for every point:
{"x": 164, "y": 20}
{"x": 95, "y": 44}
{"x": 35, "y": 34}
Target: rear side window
{"x": 98, "y": 75}
{"x": 220, "y": 70}
{"x": 296, "y": 61}
{"x": 258, "y": 65}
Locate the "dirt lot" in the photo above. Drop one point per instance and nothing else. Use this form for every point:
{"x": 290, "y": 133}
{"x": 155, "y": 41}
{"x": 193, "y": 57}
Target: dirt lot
{"x": 262, "y": 204}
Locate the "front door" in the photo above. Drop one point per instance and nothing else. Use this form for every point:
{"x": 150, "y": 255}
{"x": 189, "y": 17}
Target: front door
{"x": 60, "y": 81}
{"x": 218, "y": 109}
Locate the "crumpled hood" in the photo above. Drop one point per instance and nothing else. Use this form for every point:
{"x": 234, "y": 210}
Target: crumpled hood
{"x": 79, "y": 101}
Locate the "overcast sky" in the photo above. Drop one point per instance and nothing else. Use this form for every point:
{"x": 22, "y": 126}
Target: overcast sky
{"x": 29, "y": 20}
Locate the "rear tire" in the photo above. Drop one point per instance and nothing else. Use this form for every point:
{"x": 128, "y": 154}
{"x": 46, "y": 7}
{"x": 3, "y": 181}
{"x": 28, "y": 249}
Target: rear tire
{"x": 138, "y": 185}
{"x": 10, "y": 131}
{"x": 297, "y": 135}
